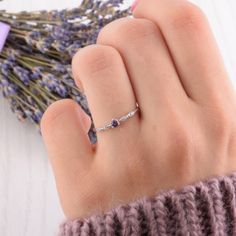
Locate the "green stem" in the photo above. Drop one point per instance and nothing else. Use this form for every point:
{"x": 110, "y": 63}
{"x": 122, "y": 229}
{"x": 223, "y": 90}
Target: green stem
{"x": 25, "y": 64}
{"x": 43, "y": 91}
{"x": 18, "y": 31}
{"x": 23, "y": 102}
{"x": 69, "y": 85}
{"x": 36, "y": 61}
{"x": 19, "y": 83}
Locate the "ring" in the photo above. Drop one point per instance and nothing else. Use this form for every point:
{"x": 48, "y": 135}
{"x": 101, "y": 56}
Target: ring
{"x": 117, "y": 122}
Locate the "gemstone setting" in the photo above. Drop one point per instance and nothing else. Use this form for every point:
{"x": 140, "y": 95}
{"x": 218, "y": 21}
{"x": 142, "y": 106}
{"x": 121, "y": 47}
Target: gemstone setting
{"x": 115, "y": 123}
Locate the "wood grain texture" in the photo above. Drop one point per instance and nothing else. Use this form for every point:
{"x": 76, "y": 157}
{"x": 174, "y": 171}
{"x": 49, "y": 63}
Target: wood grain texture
{"x": 29, "y": 205}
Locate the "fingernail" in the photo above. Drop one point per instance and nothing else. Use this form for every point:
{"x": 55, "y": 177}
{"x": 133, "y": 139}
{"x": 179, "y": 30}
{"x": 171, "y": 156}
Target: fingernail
{"x": 80, "y": 85}
{"x": 134, "y": 5}
{"x": 84, "y": 119}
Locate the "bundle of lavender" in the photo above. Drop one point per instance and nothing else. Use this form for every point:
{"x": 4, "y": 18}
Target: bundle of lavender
{"x": 35, "y": 68}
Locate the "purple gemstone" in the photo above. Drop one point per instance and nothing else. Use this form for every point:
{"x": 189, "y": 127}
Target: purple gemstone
{"x": 115, "y": 123}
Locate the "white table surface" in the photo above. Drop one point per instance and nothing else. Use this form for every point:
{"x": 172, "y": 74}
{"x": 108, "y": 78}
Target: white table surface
{"x": 29, "y": 204}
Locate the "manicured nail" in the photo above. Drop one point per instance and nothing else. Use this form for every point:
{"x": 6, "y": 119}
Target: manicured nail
{"x": 4, "y": 31}
{"x": 134, "y": 5}
{"x": 80, "y": 85}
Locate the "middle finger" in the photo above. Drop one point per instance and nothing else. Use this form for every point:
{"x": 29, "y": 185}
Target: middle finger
{"x": 149, "y": 64}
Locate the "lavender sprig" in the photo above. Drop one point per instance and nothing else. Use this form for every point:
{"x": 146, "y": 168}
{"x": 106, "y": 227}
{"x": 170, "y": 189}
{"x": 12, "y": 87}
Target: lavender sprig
{"x": 35, "y": 66}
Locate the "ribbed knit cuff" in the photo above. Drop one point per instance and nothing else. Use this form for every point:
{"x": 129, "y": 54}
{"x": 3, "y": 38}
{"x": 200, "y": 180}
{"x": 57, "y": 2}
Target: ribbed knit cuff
{"x": 205, "y": 208}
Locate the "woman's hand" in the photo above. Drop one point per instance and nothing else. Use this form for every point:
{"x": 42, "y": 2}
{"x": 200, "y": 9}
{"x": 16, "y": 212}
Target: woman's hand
{"x": 166, "y": 60}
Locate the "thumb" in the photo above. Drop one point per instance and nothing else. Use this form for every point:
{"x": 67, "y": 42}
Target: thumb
{"x": 64, "y": 128}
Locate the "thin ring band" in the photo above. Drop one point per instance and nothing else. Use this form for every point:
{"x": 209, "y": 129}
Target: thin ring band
{"x": 117, "y": 122}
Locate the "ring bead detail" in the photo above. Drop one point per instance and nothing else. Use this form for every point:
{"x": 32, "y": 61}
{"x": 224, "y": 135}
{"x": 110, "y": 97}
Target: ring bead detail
{"x": 117, "y": 122}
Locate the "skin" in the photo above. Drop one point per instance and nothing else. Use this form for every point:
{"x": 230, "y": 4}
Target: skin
{"x": 167, "y": 60}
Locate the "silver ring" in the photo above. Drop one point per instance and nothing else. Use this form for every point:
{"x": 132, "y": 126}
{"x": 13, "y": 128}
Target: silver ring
{"x": 117, "y": 122}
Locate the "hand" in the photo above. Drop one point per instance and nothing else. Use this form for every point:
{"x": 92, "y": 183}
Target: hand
{"x": 166, "y": 60}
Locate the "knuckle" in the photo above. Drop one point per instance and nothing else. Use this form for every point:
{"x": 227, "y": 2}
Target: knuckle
{"x": 125, "y": 30}
{"x": 180, "y": 140}
{"x": 52, "y": 115}
{"x": 221, "y": 121}
{"x": 94, "y": 59}
{"x": 188, "y": 17}
{"x": 182, "y": 152}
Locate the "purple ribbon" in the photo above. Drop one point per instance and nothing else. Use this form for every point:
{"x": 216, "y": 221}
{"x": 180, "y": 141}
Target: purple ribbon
{"x": 4, "y": 31}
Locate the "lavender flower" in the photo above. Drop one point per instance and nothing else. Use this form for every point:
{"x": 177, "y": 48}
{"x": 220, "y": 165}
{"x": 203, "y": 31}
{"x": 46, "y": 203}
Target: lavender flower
{"x": 23, "y": 74}
{"x": 8, "y": 88}
{"x": 37, "y": 115}
{"x": 19, "y": 113}
{"x": 35, "y": 68}
{"x": 5, "y": 67}
{"x": 59, "y": 68}
{"x": 53, "y": 84}
{"x": 50, "y": 82}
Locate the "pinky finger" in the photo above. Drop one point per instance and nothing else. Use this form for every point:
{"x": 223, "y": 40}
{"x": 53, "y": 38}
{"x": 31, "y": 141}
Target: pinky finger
{"x": 64, "y": 128}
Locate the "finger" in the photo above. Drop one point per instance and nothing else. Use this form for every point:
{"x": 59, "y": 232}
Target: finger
{"x": 152, "y": 73}
{"x": 64, "y": 128}
{"x": 107, "y": 88}
{"x": 148, "y": 61}
{"x": 192, "y": 45}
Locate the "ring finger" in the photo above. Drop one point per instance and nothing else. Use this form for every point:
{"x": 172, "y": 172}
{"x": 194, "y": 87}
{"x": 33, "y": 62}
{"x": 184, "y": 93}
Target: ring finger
{"x": 151, "y": 69}
{"x": 108, "y": 90}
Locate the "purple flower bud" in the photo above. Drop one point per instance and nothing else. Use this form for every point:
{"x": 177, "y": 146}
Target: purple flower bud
{"x": 38, "y": 69}
{"x": 62, "y": 91}
{"x": 9, "y": 90}
{"x": 5, "y": 68}
{"x": 59, "y": 68}
{"x": 35, "y": 75}
{"x": 59, "y": 33}
{"x": 4, "y": 81}
{"x": 23, "y": 74}
{"x": 37, "y": 115}
{"x": 34, "y": 34}
{"x": 11, "y": 58}
{"x": 40, "y": 54}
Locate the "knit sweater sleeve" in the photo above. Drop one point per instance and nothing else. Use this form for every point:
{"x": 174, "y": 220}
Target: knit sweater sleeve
{"x": 205, "y": 208}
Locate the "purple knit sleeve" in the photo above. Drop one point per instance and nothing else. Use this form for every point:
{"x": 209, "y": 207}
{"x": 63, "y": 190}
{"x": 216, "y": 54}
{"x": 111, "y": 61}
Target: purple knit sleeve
{"x": 204, "y": 208}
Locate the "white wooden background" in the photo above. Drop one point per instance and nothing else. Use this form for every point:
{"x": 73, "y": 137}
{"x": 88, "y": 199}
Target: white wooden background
{"x": 29, "y": 204}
